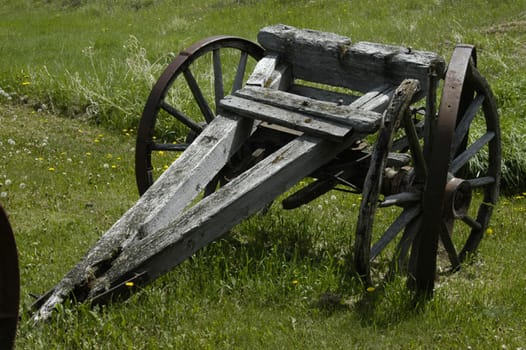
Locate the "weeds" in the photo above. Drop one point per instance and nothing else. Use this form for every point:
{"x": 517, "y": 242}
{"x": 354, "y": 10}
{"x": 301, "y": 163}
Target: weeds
{"x": 112, "y": 75}
{"x": 280, "y": 280}
{"x": 277, "y": 281}
{"x": 112, "y": 96}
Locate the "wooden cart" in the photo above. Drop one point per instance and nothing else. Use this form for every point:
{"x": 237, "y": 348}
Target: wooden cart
{"x": 246, "y": 123}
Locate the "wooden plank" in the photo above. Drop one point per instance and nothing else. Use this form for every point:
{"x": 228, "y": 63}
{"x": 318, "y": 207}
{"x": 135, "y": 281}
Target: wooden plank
{"x": 281, "y": 78}
{"x": 304, "y": 122}
{"x": 159, "y": 205}
{"x": 194, "y": 169}
{"x": 271, "y": 74}
{"x": 377, "y": 99}
{"x": 263, "y": 71}
{"x": 322, "y": 94}
{"x": 332, "y": 59}
{"x": 360, "y": 120}
{"x": 215, "y": 215}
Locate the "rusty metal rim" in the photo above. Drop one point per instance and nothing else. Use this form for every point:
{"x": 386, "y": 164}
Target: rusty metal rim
{"x": 161, "y": 87}
{"x": 9, "y": 283}
{"x": 491, "y": 191}
{"x": 438, "y": 165}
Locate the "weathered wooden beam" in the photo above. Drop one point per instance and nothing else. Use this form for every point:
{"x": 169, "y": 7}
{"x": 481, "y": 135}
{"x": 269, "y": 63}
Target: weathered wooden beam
{"x": 294, "y": 120}
{"x": 332, "y": 59}
{"x": 157, "y": 208}
{"x": 359, "y": 119}
{"x": 377, "y": 99}
{"x": 216, "y": 214}
{"x": 318, "y": 93}
{"x": 269, "y": 73}
{"x": 319, "y": 118}
{"x": 263, "y": 71}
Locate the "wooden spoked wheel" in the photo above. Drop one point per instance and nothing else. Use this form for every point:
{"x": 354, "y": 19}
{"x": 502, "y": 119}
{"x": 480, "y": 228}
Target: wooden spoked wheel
{"x": 184, "y": 100}
{"x": 9, "y": 284}
{"x": 448, "y": 192}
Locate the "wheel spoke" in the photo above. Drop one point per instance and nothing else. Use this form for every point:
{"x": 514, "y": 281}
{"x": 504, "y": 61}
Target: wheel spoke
{"x": 402, "y": 143}
{"x": 462, "y": 128}
{"x": 465, "y": 156}
{"x": 402, "y": 221}
{"x": 416, "y": 150}
{"x": 471, "y": 222}
{"x": 240, "y": 72}
{"x": 171, "y": 147}
{"x": 403, "y": 246}
{"x": 207, "y": 87}
{"x": 218, "y": 77}
{"x": 445, "y": 237}
{"x": 400, "y": 199}
{"x": 481, "y": 181}
{"x": 198, "y": 95}
{"x": 181, "y": 117}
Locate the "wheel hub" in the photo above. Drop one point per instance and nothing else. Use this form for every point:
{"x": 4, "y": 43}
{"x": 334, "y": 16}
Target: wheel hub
{"x": 457, "y": 198}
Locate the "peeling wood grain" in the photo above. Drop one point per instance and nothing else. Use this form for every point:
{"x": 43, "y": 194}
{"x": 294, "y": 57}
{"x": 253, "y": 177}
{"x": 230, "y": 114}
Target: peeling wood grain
{"x": 332, "y": 59}
{"x": 164, "y": 200}
{"x": 213, "y": 216}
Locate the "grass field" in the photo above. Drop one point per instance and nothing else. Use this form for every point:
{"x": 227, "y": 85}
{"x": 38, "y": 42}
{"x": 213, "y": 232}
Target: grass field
{"x": 74, "y": 76}
{"x": 97, "y": 60}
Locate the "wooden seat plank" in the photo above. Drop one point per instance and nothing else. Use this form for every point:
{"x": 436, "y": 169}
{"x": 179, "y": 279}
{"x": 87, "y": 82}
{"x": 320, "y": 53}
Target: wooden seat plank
{"x": 321, "y": 94}
{"x": 309, "y": 124}
{"x": 359, "y": 119}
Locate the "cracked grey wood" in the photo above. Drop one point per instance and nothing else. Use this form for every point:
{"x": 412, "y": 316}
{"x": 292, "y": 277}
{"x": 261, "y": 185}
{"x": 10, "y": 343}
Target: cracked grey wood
{"x": 163, "y": 201}
{"x": 333, "y": 59}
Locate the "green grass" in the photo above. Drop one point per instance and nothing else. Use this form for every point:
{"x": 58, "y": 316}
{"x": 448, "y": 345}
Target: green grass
{"x": 97, "y": 60}
{"x": 278, "y": 280}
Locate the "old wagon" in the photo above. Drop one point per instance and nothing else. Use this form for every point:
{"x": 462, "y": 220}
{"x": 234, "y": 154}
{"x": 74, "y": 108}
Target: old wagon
{"x": 394, "y": 125}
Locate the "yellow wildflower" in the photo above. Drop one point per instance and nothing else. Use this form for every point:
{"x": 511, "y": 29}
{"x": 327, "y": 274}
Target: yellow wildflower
{"x": 370, "y": 289}
{"x": 489, "y": 231}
